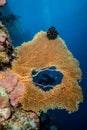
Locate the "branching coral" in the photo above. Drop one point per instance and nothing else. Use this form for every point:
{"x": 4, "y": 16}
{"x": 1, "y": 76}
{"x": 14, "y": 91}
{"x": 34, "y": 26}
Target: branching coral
{"x": 42, "y": 53}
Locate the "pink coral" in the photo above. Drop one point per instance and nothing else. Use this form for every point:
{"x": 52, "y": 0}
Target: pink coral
{"x": 4, "y": 102}
{"x": 14, "y": 88}
{"x": 9, "y": 81}
{"x": 2, "y": 2}
{"x": 16, "y": 94}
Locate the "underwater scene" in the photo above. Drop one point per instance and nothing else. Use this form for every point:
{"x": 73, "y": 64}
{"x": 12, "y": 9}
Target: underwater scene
{"x": 43, "y": 68}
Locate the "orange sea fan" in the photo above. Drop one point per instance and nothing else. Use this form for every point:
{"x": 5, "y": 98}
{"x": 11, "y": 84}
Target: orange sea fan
{"x": 42, "y": 53}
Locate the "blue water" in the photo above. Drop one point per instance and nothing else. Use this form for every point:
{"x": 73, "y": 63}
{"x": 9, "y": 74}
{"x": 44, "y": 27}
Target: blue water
{"x": 70, "y": 19}
{"x": 46, "y": 78}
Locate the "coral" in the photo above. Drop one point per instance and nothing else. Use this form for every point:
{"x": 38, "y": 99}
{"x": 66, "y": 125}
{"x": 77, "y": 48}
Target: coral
{"x": 3, "y": 92}
{"x": 52, "y": 33}
{"x": 13, "y": 87}
{"x": 42, "y": 53}
{"x": 7, "y": 52}
{"x": 2, "y": 2}
{"x": 2, "y": 127}
{"x": 5, "y": 110}
{"x": 22, "y": 120}
{"x": 3, "y": 58}
{"x": 16, "y": 94}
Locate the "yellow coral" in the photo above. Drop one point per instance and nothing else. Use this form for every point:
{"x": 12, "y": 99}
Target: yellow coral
{"x": 2, "y": 56}
{"x": 42, "y": 53}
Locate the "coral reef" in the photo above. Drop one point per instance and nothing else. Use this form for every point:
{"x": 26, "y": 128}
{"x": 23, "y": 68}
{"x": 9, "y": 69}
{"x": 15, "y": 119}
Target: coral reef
{"x": 43, "y": 75}
{"x": 22, "y": 120}
{"x": 2, "y": 2}
{"x": 5, "y": 110}
{"x": 13, "y": 87}
{"x": 7, "y": 52}
{"x": 42, "y": 53}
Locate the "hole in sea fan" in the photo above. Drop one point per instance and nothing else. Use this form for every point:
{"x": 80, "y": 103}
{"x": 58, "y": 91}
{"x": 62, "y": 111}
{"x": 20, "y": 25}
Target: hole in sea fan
{"x": 47, "y": 78}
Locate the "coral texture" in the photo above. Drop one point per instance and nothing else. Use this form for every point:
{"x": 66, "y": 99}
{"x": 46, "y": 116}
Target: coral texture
{"x": 42, "y": 53}
{"x": 7, "y": 53}
{"x": 13, "y": 87}
{"x": 5, "y": 110}
{"x": 2, "y": 2}
{"x": 22, "y": 120}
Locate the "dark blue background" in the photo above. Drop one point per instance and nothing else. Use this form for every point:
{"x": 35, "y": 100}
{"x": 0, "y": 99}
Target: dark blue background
{"x": 70, "y": 19}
